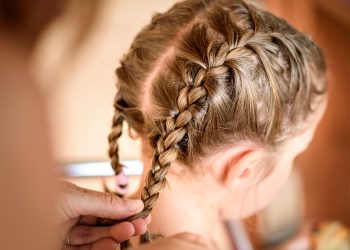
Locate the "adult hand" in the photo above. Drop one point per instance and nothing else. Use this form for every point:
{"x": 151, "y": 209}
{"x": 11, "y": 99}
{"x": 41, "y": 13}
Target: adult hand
{"x": 183, "y": 241}
{"x": 79, "y": 209}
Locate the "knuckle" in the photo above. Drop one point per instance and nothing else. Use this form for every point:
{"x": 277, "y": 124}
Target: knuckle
{"x": 109, "y": 199}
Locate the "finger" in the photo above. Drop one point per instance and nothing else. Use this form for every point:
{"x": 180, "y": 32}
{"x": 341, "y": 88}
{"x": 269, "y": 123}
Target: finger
{"x": 82, "y": 235}
{"x": 105, "y": 244}
{"x": 106, "y": 205}
{"x": 122, "y": 231}
{"x": 92, "y": 220}
{"x": 140, "y": 226}
{"x": 88, "y": 220}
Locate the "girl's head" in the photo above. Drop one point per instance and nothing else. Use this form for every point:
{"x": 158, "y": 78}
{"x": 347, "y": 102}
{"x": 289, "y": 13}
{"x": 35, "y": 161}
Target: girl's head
{"x": 220, "y": 88}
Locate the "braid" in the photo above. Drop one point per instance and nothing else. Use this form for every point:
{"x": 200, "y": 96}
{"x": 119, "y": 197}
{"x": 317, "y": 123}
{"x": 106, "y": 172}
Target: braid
{"x": 117, "y": 126}
{"x": 191, "y": 100}
{"x": 172, "y": 131}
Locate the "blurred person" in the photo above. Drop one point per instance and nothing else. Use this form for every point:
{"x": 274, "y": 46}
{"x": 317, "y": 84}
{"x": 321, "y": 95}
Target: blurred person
{"x": 32, "y": 216}
{"x": 224, "y": 96}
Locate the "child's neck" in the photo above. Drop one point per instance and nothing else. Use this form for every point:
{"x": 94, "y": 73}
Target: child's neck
{"x": 185, "y": 208}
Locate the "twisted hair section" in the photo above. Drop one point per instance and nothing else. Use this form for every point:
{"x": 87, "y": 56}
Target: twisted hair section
{"x": 214, "y": 72}
{"x": 116, "y": 132}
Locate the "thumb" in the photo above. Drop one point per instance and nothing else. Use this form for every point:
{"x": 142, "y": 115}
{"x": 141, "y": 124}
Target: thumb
{"x": 104, "y": 205}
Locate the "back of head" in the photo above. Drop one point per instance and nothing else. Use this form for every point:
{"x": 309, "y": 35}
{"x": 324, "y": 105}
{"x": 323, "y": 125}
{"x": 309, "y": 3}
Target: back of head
{"x": 212, "y": 73}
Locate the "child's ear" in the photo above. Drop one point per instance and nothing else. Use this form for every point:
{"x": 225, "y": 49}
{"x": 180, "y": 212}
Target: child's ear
{"x": 235, "y": 167}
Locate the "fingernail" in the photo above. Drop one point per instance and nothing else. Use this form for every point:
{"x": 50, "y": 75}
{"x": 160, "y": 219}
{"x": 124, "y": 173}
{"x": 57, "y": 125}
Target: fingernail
{"x": 135, "y": 205}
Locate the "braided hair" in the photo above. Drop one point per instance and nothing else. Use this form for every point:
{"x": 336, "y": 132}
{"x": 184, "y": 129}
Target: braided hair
{"x": 210, "y": 73}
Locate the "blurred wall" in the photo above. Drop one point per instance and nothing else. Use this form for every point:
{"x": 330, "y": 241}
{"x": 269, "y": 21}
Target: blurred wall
{"x": 79, "y": 85}
{"x": 325, "y": 166}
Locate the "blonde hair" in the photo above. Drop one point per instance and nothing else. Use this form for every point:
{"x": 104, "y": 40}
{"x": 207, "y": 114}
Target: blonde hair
{"x": 208, "y": 74}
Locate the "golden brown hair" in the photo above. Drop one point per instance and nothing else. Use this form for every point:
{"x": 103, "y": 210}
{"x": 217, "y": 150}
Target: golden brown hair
{"x": 207, "y": 74}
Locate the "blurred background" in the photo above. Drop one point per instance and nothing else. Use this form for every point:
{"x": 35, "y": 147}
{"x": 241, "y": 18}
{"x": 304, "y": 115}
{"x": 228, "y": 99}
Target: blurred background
{"x": 74, "y": 62}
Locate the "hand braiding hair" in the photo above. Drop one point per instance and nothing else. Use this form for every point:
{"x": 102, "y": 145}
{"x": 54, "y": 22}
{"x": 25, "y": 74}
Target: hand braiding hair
{"x": 229, "y": 60}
